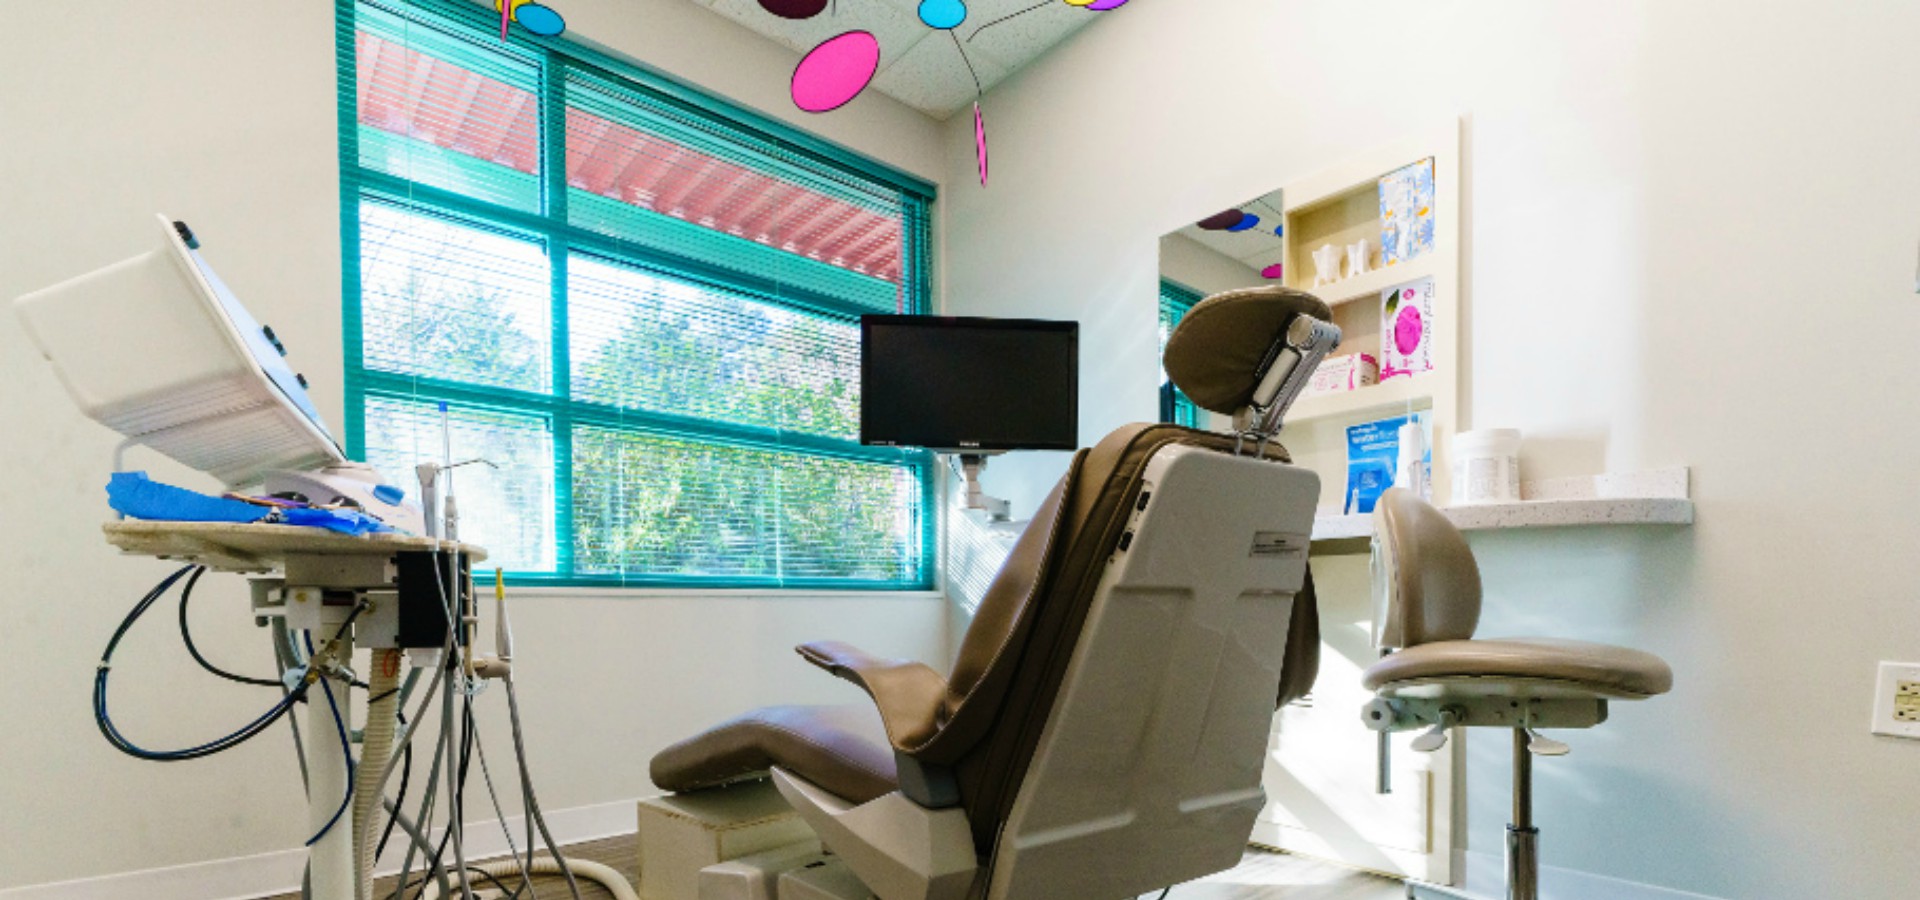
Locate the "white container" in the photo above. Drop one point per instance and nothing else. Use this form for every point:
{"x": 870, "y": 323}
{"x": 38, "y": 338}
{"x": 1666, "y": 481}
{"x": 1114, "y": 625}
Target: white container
{"x": 1339, "y": 374}
{"x": 1411, "y": 469}
{"x": 1486, "y": 466}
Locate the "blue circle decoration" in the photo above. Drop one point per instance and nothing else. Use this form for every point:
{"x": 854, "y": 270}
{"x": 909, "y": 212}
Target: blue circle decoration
{"x": 540, "y": 20}
{"x": 943, "y": 14}
{"x": 1245, "y": 223}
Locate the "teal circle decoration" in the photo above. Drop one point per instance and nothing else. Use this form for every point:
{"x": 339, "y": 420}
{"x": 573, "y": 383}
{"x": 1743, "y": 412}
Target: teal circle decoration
{"x": 540, "y": 20}
{"x": 944, "y": 15}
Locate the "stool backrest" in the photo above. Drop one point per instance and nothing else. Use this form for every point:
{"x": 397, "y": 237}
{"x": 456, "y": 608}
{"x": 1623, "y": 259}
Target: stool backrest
{"x": 1426, "y": 584}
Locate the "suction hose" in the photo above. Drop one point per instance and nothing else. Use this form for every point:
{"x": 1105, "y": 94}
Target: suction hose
{"x": 383, "y": 690}
{"x": 547, "y": 865}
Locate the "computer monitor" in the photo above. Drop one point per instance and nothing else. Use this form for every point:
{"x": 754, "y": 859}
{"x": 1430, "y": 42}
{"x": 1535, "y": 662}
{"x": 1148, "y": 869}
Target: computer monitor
{"x": 968, "y": 385}
{"x": 156, "y": 348}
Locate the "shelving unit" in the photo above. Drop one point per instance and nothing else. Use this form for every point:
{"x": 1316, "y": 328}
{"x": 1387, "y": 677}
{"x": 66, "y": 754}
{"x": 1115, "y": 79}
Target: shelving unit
{"x": 1389, "y": 396}
{"x": 1368, "y": 285}
{"x": 1336, "y": 207}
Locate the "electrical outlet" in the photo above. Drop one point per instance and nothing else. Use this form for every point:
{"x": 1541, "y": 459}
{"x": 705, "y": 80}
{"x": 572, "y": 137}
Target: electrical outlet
{"x": 1896, "y": 700}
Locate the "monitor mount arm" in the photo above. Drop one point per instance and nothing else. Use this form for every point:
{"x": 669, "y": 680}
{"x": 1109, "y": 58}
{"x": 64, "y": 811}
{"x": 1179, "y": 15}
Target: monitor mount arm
{"x": 968, "y": 466}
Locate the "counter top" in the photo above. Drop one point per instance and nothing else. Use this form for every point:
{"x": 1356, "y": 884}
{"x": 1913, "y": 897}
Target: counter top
{"x": 1648, "y": 498}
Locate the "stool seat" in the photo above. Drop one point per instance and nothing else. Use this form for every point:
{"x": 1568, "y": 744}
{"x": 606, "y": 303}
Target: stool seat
{"x": 1521, "y": 667}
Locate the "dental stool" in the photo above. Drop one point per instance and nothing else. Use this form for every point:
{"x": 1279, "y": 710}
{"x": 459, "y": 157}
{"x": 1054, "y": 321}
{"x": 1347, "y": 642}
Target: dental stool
{"x": 1103, "y": 729}
{"x": 1426, "y": 608}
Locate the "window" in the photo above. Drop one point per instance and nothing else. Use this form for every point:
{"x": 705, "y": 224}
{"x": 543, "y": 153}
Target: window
{"x": 1175, "y": 300}
{"x": 638, "y": 303}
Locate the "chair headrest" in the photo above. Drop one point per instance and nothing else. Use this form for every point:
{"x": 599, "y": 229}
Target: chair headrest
{"x": 1426, "y": 584}
{"x": 1216, "y": 353}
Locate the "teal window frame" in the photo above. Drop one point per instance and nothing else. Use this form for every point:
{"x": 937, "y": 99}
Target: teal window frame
{"x": 557, "y": 60}
{"x": 1176, "y": 300}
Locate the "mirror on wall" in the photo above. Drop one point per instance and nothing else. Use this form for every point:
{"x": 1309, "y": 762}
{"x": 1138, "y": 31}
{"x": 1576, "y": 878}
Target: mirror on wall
{"x": 1234, "y": 248}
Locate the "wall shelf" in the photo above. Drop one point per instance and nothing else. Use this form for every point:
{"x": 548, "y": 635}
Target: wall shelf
{"x": 1392, "y": 395}
{"x": 1368, "y": 285}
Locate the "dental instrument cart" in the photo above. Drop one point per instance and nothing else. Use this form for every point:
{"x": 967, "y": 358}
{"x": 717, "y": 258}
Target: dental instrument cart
{"x": 314, "y": 579}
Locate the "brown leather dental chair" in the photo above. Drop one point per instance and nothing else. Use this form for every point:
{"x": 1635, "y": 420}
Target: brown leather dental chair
{"x": 1440, "y": 677}
{"x": 1103, "y": 729}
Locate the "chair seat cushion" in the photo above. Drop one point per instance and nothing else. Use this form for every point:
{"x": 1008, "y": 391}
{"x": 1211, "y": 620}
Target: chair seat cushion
{"x": 1522, "y": 666}
{"x": 843, "y": 749}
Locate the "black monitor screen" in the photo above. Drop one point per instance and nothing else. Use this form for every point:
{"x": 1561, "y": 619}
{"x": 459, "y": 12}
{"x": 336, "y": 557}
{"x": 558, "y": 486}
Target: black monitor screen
{"x": 969, "y": 384}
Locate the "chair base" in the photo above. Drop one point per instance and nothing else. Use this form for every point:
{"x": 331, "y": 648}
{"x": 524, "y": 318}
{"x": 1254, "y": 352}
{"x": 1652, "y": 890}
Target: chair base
{"x": 1523, "y": 863}
{"x": 1420, "y": 890}
{"x": 1523, "y": 872}
{"x": 899, "y": 849}
{"x": 1523, "y": 840}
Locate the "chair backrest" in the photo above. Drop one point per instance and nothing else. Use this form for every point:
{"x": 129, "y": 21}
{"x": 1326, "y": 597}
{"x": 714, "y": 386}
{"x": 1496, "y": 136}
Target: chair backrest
{"x": 1426, "y": 584}
{"x": 1129, "y": 749}
{"x": 1164, "y": 675}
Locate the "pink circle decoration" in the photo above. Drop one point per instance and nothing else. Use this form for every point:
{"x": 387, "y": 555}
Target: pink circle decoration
{"x": 1275, "y": 272}
{"x": 1104, "y": 5}
{"x": 835, "y": 72}
{"x": 980, "y": 142}
{"x": 794, "y": 9}
{"x": 1406, "y": 330}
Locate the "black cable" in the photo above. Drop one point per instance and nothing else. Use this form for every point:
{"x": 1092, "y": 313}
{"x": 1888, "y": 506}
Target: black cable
{"x": 406, "y": 775}
{"x": 186, "y": 637}
{"x": 424, "y": 818}
{"x": 421, "y": 883}
{"x": 104, "y": 719}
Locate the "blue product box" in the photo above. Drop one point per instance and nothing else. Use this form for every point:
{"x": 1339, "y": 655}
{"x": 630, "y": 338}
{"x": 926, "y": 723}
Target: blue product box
{"x": 1373, "y": 452}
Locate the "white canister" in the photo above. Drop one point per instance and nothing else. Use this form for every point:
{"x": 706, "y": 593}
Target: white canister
{"x": 1486, "y": 466}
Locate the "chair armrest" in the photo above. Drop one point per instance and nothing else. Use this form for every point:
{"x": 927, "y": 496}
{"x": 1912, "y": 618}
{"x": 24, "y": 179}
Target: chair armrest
{"x": 908, "y": 694}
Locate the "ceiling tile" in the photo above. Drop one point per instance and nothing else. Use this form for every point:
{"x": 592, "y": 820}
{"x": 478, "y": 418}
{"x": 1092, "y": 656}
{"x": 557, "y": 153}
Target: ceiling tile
{"x": 919, "y": 65}
{"x": 932, "y": 77}
{"x": 1260, "y": 261}
{"x": 897, "y": 31}
{"x": 1029, "y": 33}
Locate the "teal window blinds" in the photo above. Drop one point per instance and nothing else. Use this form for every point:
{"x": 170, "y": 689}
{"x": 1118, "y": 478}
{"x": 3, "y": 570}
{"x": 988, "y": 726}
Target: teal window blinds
{"x": 1175, "y": 300}
{"x": 638, "y": 302}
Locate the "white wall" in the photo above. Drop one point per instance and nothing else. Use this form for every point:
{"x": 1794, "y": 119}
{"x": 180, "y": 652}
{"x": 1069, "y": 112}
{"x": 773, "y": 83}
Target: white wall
{"x": 222, "y": 114}
{"x": 1673, "y": 204}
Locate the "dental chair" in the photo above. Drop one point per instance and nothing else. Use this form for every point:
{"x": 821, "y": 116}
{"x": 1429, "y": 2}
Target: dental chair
{"x": 1439, "y": 676}
{"x": 1103, "y": 729}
